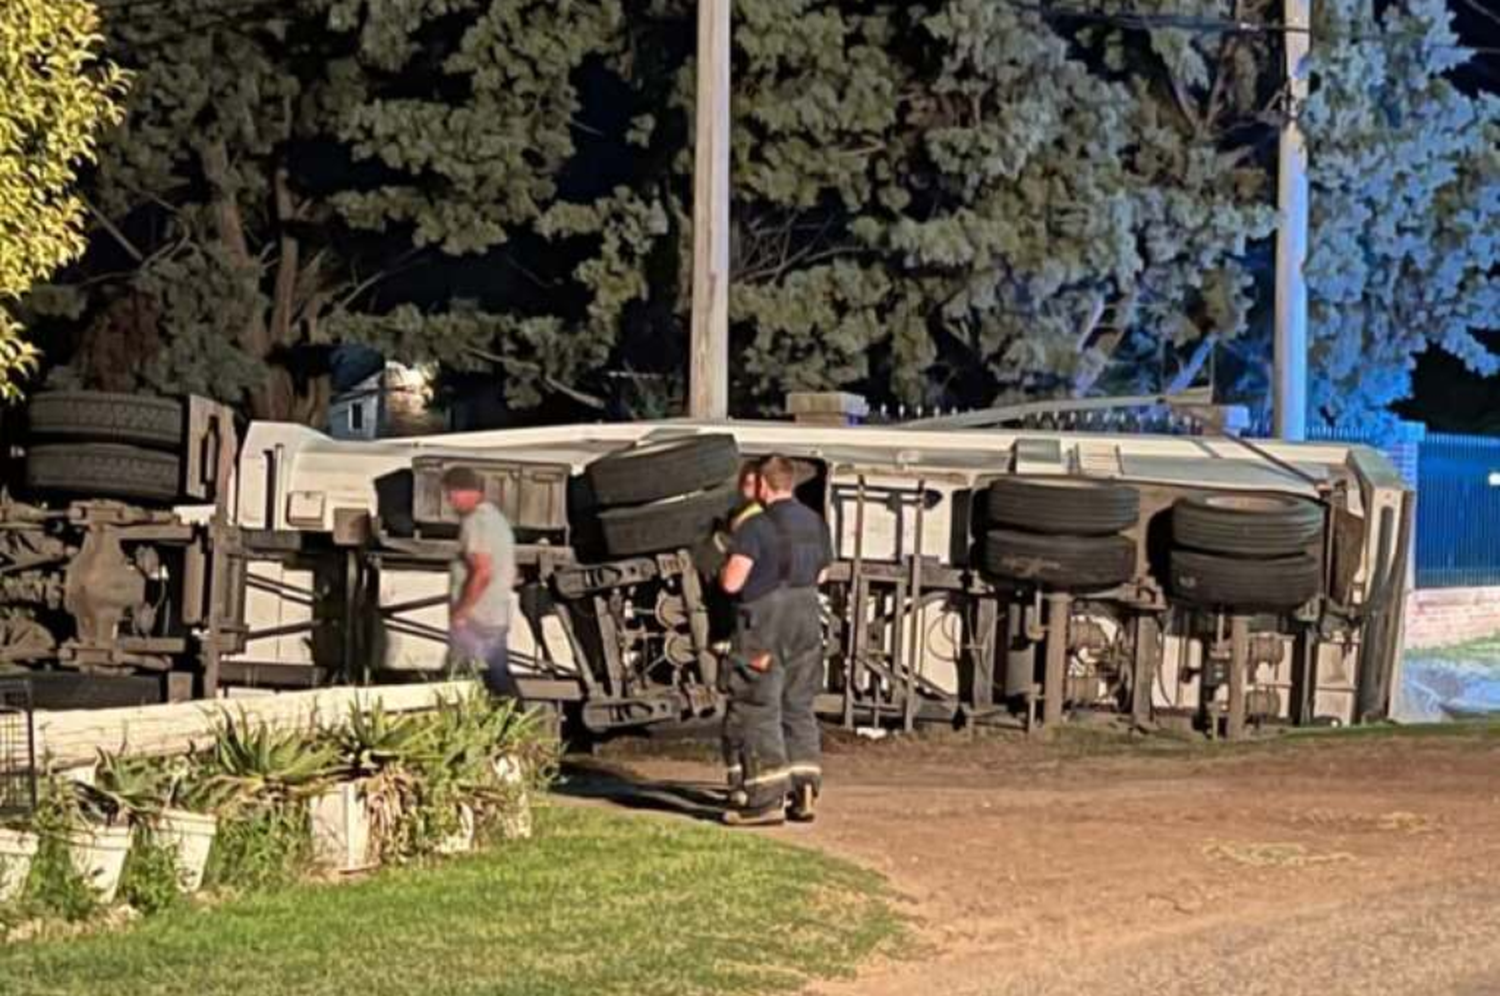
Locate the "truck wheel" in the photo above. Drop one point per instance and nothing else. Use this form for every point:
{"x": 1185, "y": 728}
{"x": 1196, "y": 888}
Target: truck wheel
{"x": 1262, "y": 526}
{"x": 103, "y": 470}
{"x": 1065, "y": 506}
{"x": 98, "y": 417}
{"x": 656, "y": 471}
{"x": 1238, "y": 584}
{"x": 1062, "y": 563}
{"x": 673, "y": 524}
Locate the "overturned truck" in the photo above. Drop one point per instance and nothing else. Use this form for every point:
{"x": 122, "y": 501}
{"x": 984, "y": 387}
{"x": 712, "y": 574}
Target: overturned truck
{"x": 153, "y": 548}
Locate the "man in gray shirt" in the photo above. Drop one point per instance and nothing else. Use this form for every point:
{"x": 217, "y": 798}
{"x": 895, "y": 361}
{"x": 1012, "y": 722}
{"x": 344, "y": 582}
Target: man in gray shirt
{"x": 483, "y": 582}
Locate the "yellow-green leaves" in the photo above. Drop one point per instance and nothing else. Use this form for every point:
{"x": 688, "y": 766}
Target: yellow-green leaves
{"x": 55, "y": 95}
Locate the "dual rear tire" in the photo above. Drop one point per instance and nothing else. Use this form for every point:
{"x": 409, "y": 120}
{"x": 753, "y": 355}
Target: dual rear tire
{"x": 1060, "y": 533}
{"x": 1230, "y": 552}
{"x": 663, "y": 496}
{"x": 1249, "y": 552}
{"x": 90, "y": 444}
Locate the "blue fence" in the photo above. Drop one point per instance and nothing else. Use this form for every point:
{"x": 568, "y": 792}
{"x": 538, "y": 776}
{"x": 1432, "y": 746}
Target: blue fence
{"x": 1458, "y": 504}
{"x": 1458, "y": 512}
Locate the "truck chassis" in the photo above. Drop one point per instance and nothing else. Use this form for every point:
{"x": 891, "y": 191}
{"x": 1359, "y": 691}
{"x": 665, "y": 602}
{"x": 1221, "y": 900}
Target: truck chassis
{"x": 284, "y": 559}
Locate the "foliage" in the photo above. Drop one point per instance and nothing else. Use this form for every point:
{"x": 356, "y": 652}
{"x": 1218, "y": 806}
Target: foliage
{"x": 255, "y": 765}
{"x": 421, "y": 774}
{"x": 151, "y": 881}
{"x": 55, "y": 887}
{"x": 262, "y": 847}
{"x": 952, "y": 202}
{"x": 278, "y": 169}
{"x": 598, "y": 903}
{"x": 1405, "y": 181}
{"x": 55, "y": 95}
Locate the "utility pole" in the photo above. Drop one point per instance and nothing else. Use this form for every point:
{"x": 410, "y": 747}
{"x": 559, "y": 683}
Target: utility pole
{"x": 708, "y": 373}
{"x": 1289, "y": 401}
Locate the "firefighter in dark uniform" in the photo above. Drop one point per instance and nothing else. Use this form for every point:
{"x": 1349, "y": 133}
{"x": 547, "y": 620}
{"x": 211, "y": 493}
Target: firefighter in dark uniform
{"x": 723, "y": 544}
{"x": 778, "y": 557}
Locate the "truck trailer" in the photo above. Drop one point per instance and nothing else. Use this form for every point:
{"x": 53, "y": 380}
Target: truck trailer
{"x": 159, "y": 549}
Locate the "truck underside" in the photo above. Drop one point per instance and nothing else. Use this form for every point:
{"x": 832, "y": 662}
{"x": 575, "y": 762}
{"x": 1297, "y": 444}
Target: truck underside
{"x": 982, "y": 576}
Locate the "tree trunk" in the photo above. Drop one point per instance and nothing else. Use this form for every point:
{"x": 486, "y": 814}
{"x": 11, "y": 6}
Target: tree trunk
{"x": 266, "y": 337}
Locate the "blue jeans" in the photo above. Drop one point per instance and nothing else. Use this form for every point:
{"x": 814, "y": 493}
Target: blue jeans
{"x": 487, "y": 648}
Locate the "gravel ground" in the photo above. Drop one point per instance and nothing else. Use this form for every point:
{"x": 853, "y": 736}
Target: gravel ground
{"x": 1332, "y": 866}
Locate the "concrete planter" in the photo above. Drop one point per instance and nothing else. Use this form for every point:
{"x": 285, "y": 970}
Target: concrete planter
{"x": 515, "y": 824}
{"x": 190, "y": 838}
{"x": 341, "y": 829}
{"x": 17, "y": 848}
{"x": 461, "y": 841}
{"x": 98, "y": 856}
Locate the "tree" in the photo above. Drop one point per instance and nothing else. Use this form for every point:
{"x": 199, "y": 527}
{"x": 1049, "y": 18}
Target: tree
{"x": 283, "y": 164}
{"x": 948, "y": 202}
{"x": 965, "y": 202}
{"x": 1405, "y": 175}
{"x": 55, "y": 94}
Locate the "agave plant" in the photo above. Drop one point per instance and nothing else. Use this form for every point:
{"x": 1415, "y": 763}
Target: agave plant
{"x": 474, "y": 731}
{"x": 124, "y": 786}
{"x": 250, "y": 762}
{"x": 373, "y": 740}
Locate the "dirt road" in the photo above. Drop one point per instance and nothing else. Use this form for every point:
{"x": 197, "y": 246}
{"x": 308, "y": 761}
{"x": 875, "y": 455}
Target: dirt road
{"x": 1358, "y": 866}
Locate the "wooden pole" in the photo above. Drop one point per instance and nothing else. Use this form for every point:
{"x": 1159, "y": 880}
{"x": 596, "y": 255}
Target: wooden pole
{"x": 708, "y": 374}
{"x": 1289, "y": 401}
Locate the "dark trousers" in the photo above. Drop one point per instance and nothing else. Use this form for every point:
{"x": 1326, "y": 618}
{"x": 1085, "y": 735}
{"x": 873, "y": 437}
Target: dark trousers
{"x": 487, "y": 650}
{"x": 771, "y": 739}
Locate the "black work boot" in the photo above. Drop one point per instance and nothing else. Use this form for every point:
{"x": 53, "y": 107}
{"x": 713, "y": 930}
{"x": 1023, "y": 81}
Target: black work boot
{"x": 803, "y": 807}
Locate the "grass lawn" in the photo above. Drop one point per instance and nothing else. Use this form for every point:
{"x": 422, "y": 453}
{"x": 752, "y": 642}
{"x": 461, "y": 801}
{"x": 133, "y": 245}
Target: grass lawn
{"x": 598, "y": 903}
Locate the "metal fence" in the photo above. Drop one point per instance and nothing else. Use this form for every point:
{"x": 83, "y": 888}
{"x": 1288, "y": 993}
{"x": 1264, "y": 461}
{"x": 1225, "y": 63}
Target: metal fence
{"x": 1458, "y": 512}
{"x": 17, "y": 749}
{"x": 1458, "y": 504}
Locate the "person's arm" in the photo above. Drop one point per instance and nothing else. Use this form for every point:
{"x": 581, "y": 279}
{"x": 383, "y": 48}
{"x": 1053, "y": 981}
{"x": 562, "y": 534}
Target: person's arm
{"x": 746, "y": 546}
{"x": 735, "y": 573}
{"x": 481, "y": 571}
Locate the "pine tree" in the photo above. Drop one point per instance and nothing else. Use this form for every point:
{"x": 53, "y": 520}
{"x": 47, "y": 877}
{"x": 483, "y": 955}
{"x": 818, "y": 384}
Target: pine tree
{"x": 279, "y": 173}
{"x": 962, "y": 202}
{"x": 1405, "y": 176}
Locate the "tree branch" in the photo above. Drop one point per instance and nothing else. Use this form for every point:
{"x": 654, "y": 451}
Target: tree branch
{"x": 1189, "y": 371}
{"x": 113, "y": 230}
{"x": 551, "y": 383}
{"x": 283, "y": 299}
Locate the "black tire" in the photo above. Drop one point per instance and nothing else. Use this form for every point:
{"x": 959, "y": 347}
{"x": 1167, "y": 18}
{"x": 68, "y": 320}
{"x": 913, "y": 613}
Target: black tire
{"x": 672, "y": 524}
{"x": 104, "y": 470}
{"x": 1063, "y": 506}
{"x": 97, "y": 417}
{"x": 665, "y": 469}
{"x": 1237, "y": 584}
{"x": 1061, "y": 563}
{"x": 1263, "y": 526}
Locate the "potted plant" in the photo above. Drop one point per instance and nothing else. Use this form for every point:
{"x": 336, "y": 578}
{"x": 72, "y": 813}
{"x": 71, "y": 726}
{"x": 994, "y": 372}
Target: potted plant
{"x": 187, "y": 822}
{"x": 166, "y": 798}
{"x": 97, "y": 835}
{"x": 375, "y": 812}
{"x": 258, "y": 770}
{"x": 495, "y": 751}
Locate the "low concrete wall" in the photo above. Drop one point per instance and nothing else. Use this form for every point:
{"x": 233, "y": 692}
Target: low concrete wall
{"x": 1444, "y": 617}
{"x": 71, "y": 739}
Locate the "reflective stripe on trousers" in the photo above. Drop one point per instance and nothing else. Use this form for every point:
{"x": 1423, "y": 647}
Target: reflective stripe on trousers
{"x": 771, "y": 738}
